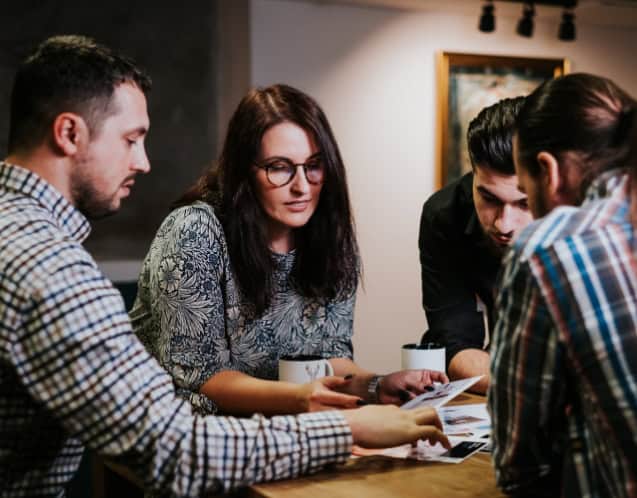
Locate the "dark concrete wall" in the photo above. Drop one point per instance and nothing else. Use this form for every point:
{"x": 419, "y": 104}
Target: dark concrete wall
{"x": 176, "y": 43}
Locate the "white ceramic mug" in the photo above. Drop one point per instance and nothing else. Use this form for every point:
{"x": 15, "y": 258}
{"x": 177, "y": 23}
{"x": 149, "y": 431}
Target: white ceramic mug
{"x": 428, "y": 355}
{"x": 303, "y": 368}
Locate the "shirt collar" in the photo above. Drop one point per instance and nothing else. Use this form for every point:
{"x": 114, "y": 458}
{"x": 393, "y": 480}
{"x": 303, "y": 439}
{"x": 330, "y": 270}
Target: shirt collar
{"x": 605, "y": 184}
{"x": 473, "y": 227}
{"x": 19, "y": 180}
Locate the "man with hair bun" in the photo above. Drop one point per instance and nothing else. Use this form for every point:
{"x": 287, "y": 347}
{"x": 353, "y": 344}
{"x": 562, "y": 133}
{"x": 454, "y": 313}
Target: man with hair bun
{"x": 563, "y": 393}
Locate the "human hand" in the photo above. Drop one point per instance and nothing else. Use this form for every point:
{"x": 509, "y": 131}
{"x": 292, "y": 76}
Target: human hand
{"x": 321, "y": 395}
{"x": 399, "y": 387}
{"x": 379, "y": 426}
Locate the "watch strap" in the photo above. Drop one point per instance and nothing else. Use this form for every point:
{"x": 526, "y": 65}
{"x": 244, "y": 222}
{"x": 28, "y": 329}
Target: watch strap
{"x": 373, "y": 388}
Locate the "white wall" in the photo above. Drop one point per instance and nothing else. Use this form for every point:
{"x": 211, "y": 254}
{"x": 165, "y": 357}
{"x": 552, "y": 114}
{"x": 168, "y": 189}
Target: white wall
{"x": 373, "y": 72}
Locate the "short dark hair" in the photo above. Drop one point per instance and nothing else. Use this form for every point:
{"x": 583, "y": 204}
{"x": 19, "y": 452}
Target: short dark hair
{"x": 67, "y": 73}
{"x": 490, "y": 133}
{"x": 583, "y": 120}
{"x": 326, "y": 264}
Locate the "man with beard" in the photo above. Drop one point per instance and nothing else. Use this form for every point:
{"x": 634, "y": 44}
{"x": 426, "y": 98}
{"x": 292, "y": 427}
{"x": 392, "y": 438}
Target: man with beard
{"x": 563, "y": 399}
{"x": 464, "y": 230}
{"x": 72, "y": 373}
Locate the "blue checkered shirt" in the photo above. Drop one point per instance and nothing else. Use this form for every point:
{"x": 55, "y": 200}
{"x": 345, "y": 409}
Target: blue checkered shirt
{"x": 563, "y": 393}
{"x": 72, "y": 374}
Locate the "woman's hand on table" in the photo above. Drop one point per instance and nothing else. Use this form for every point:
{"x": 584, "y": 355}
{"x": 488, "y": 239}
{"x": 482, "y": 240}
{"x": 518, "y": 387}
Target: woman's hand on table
{"x": 399, "y": 387}
{"x": 320, "y": 395}
{"x": 379, "y": 426}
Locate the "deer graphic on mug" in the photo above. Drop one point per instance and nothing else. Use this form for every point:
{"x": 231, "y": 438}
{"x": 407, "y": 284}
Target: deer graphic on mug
{"x": 303, "y": 368}
{"x": 312, "y": 370}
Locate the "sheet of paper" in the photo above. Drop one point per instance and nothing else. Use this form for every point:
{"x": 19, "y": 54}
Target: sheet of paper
{"x": 468, "y": 421}
{"x": 441, "y": 394}
{"x": 462, "y": 448}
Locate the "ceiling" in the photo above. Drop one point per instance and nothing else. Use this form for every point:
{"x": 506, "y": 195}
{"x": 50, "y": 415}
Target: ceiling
{"x": 621, "y": 13}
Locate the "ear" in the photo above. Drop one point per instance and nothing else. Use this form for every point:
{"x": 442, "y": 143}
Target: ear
{"x": 549, "y": 173}
{"x": 70, "y": 133}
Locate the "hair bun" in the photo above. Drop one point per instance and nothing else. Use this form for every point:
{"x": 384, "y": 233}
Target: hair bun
{"x": 625, "y": 121}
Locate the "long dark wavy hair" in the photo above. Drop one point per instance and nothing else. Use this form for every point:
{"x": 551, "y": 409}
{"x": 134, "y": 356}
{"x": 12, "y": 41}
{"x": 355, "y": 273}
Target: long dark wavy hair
{"x": 327, "y": 259}
{"x": 586, "y": 122}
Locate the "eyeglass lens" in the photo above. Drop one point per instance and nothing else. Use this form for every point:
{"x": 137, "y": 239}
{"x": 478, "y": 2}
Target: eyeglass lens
{"x": 282, "y": 170}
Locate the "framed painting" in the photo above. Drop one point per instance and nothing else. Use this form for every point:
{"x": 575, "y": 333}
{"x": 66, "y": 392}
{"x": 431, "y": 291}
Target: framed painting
{"x": 469, "y": 82}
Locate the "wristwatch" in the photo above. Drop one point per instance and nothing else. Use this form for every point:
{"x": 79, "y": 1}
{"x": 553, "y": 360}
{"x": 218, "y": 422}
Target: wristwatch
{"x": 373, "y": 387}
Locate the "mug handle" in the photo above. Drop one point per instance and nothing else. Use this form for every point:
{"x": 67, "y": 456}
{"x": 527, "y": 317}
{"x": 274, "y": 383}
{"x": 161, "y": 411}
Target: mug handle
{"x": 329, "y": 370}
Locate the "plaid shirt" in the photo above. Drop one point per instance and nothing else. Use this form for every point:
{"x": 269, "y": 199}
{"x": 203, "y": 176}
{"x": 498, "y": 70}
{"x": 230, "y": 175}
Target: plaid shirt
{"x": 563, "y": 394}
{"x": 73, "y": 374}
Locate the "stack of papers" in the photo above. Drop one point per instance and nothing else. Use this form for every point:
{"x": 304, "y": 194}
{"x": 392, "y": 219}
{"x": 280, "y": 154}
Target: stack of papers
{"x": 467, "y": 426}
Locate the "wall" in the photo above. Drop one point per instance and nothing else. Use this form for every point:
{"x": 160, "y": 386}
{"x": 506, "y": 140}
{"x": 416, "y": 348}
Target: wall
{"x": 373, "y": 71}
{"x": 182, "y": 103}
{"x": 198, "y": 59}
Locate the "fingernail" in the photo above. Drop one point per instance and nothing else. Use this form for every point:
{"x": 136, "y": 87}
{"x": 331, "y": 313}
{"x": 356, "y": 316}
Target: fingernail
{"x": 429, "y": 388}
{"x": 348, "y": 376}
{"x": 403, "y": 395}
{"x": 361, "y": 402}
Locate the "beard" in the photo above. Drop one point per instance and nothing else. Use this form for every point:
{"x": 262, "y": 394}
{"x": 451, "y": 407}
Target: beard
{"x": 88, "y": 200}
{"x": 540, "y": 204}
{"x": 494, "y": 248}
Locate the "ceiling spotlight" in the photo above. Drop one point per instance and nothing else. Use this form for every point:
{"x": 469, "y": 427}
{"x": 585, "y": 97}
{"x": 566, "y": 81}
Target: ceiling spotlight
{"x": 567, "y": 26}
{"x": 525, "y": 25}
{"x": 487, "y": 19}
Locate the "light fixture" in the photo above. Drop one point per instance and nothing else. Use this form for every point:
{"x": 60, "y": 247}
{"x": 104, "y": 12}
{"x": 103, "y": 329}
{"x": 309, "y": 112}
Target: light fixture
{"x": 525, "y": 25}
{"x": 487, "y": 19}
{"x": 567, "y": 26}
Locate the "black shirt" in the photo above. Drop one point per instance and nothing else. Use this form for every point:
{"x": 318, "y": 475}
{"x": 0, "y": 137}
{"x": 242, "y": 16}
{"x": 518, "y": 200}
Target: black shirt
{"x": 457, "y": 263}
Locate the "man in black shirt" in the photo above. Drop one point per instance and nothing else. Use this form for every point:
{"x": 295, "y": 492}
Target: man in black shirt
{"x": 464, "y": 231}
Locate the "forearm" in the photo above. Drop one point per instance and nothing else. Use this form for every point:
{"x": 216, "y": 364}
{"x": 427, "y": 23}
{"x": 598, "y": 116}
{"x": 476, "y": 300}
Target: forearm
{"x": 470, "y": 363}
{"x": 100, "y": 384}
{"x": 394, "y": 388}
{"x": 192, "y": 455}
{"x": 236, "y": 393}
{"x": 209, "y": 455}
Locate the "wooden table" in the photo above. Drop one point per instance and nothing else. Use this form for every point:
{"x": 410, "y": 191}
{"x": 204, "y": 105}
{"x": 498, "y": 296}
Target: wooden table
{"x": 365, "y": 477}
{"x": 379, "y": 476}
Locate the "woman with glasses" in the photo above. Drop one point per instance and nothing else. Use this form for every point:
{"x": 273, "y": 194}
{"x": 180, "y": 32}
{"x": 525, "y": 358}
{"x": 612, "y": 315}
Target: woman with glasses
{"x": 257, "y": 261}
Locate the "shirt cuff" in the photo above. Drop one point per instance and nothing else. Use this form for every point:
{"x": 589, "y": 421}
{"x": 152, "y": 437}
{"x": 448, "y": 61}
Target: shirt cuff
{"x": 329, "y": 438}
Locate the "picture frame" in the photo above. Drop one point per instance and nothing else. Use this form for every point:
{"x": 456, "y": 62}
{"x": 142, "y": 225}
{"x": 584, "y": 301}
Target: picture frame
{"x": 469, "y": 82}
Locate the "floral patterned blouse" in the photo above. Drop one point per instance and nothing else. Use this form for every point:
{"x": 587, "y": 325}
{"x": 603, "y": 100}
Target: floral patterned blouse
{"x": 190, "y": 314}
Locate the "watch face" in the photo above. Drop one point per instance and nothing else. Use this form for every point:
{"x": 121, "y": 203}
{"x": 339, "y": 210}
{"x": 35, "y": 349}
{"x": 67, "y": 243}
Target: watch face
{"x": 373, "y": 387}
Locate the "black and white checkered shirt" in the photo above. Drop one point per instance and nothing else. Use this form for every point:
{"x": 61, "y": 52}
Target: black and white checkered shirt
{"x": 73, "y": 374}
